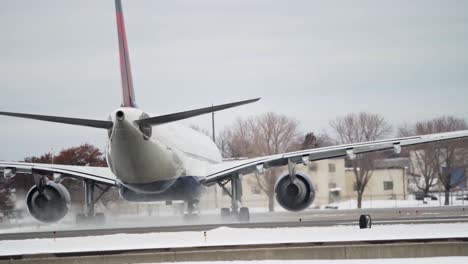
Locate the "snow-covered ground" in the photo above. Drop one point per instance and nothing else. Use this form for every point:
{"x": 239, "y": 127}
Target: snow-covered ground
{"x": 352, "y": 204}
{"x": 451, "y": 260}
{"x": 163, "y": 215}
{"x": 231, "y": 236}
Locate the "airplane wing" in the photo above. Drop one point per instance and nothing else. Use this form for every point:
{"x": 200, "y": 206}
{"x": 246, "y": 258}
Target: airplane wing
{"x": 224, "y": 170}
{"x": 98, "y": 174}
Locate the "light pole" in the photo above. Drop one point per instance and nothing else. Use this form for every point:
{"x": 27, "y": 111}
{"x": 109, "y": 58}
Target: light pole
{"x": 213, "y": 133}
{"x": 405, "y": 171}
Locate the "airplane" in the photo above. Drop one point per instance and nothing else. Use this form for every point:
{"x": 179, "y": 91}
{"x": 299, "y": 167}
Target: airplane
{"x": 154, "y": 158}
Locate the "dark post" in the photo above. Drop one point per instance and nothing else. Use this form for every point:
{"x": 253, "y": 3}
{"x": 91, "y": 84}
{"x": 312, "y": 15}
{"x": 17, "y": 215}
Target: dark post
{"x": 213, "y": 126}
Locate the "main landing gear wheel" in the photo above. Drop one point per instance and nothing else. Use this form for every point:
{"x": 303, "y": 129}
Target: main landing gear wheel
{"x": 90, "y": 217}
{"x": 80, "y": 219}
{"x": 225, "y": 213}
{"x": 98, "y": 219}
{"x": 191, "y": 215}
{"x": 236, "y": 212}
{"x": 244, "y": 214}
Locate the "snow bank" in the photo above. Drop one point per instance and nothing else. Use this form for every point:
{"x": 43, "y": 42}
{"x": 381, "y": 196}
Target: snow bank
{"x": 369, "y": 204}
{"x": 231, "y": 236}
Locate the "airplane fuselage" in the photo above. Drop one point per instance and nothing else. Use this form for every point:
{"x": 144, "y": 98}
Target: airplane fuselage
{"x": 150, "y": 159}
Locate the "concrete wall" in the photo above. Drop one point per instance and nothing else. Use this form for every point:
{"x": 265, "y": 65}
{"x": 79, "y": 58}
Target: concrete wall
{"x": 254, "y": 252}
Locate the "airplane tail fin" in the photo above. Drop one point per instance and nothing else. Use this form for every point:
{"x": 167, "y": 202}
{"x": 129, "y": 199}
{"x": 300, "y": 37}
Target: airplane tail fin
{"x": 128, "y": 93}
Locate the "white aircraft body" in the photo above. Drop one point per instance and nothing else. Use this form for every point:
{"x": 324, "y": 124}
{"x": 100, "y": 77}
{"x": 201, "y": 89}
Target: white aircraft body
{"x": 152, "y": 158}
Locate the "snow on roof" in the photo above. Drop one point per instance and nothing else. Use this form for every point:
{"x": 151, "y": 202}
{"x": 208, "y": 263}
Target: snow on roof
{"x": 392, "y": 163}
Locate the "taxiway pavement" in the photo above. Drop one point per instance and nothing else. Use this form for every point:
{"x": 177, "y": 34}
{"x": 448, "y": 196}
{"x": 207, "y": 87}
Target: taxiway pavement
{"x": 308, "y": 218}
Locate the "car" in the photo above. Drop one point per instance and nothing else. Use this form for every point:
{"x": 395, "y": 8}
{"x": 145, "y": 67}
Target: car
{"x": 421, "y": 196}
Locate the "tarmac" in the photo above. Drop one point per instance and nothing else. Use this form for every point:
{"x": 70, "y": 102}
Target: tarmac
{"x": 378, "y": 249}
{"x": 146, "y": 224}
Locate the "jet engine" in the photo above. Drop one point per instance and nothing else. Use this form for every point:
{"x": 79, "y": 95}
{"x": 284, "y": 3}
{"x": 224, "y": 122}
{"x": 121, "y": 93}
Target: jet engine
{"x": 294, "y": 194}
{"x": 48, "y": 203}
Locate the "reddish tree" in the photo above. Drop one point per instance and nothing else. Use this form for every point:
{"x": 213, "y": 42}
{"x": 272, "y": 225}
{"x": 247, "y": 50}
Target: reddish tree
{"x": 84, "y": 155}
{"x": 45, "y": 158}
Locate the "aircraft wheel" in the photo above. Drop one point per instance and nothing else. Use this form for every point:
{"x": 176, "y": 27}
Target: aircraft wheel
{"x": 225, "y": 213}
{"x": 80, "y": 219}
{"x": 99, "y": 218}
{"x": 190, "y": 217}
{"x": 244, "y": 214}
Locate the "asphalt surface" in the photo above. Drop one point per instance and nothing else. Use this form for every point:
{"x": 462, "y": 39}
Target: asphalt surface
{"x": 146, "y": 224}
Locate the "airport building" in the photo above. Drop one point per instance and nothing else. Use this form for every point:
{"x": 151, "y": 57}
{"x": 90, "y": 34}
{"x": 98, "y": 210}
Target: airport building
{"x": 333, "y": 183}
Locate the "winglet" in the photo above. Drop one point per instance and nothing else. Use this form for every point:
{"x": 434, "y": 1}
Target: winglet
{"x": 162, "y": 119}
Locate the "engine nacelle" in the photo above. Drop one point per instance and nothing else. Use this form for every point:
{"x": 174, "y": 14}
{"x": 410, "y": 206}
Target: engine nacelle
{"x": 9, "y": 173}
{"x": 51, "y": 204}
{"x": 295, "y": 196}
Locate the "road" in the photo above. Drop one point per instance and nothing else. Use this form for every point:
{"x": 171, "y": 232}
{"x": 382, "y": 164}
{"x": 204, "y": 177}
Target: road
{"x": 145, "y": 224}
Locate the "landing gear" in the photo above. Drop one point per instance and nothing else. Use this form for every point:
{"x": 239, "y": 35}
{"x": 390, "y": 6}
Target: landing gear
{"x": 98, "y": 218}
{"x": 89, "y": 216}
{"x": 225, "y": 213}
{"x": 235, "y": 212}
{"x": 244, "y": 214}
{"x": 191, "y": 214}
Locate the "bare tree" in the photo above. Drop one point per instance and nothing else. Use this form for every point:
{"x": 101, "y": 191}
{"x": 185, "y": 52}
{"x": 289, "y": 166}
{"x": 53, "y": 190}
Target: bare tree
{"x": 422, "y": 158}
{"x": 324, "y": 140}
{"x": 265, "y": 134}
{"x": 310, "y": 141}
{"x": 223, "y": 141}
{"x": 243, "y": 137}
{"x": 360, "y": 127}
{"x": 446, "y": 156}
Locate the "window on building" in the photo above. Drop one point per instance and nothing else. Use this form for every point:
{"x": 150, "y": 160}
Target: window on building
{"x": 331, "y": 185}
{"x": 355, "y": 186}
{"x": 255, "y": 189}
{"x": 331, "y": 167}
{"x": 387, "y": 185}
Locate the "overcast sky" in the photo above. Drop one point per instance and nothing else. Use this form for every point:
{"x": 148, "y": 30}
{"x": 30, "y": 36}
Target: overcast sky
{"x": 311, "y": 60}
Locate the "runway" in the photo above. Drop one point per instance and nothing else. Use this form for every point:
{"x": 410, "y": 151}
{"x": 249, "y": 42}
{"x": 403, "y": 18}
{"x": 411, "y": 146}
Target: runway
{"x": 310, "y": 218}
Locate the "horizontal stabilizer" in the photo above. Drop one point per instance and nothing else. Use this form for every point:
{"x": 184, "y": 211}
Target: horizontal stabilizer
{"x": 162, "y": 119}
{"x": 64, "y": 120}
